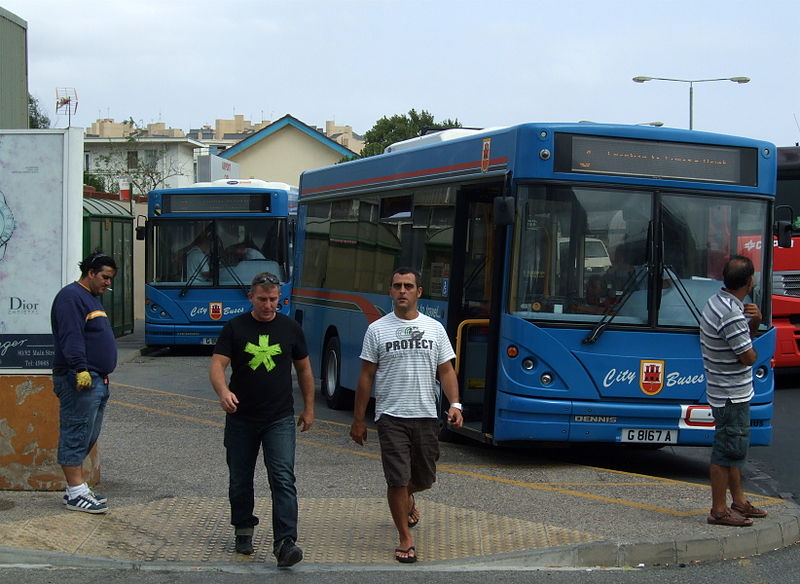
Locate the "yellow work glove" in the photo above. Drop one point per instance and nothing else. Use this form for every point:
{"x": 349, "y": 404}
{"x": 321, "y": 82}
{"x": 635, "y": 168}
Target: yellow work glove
{"x": 83, "y": 379}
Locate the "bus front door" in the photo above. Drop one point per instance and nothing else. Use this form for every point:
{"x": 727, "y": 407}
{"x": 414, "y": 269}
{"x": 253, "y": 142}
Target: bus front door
{"x": 470, "y": 300}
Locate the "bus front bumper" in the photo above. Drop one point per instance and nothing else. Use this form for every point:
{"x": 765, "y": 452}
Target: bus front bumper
{"x": 533, "y": 419}
{"x": 156, "y": 335}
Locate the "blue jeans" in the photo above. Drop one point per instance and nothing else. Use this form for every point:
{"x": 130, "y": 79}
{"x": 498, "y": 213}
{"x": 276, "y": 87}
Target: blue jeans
{"x": 243, "y": 439}
{"x": 81, "y": 416}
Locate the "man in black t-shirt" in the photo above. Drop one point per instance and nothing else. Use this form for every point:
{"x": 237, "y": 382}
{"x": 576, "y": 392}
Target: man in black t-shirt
{"x": 261, "y": 347}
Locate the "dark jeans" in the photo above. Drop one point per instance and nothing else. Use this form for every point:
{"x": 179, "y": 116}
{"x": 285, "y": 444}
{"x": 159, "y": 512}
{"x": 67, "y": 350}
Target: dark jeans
{"x": 242, "y": 442}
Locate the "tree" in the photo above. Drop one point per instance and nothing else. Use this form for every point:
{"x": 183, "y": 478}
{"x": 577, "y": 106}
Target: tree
{"x": 145, "y": 166}
{"x": 36, "y": 117}
{"x": 401, "y": 127}
{"x": 94, "y": 180}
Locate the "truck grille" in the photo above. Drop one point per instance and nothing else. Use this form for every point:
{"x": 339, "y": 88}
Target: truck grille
{"x": 786, "y": 284}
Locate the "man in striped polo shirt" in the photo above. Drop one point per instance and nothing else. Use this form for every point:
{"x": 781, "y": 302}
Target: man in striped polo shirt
{"x": 728, "y": 357}
{"x": 402, "y": 353}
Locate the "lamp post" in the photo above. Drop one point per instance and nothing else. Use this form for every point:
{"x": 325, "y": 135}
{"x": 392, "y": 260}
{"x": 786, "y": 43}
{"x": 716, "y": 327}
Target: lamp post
{"x": 691, "y": 82}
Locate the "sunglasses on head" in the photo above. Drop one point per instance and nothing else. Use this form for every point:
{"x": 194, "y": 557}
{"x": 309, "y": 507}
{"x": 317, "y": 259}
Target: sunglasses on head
{"x": 264, "y": 279}
{"x": 93, "y": 259}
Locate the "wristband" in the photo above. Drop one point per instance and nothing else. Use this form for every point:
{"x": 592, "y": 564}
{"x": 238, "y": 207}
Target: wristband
{"x": 457, "y": 406}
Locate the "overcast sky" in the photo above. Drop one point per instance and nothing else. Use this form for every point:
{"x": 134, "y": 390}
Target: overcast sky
{"x": 487, "y": 63}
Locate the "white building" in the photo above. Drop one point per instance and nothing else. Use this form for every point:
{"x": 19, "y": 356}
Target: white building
{"x": 149, "y": 162}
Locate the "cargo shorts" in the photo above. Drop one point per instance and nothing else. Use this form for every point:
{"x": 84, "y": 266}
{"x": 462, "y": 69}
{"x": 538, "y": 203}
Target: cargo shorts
{"x": 732, "y": 434}
{"x": 409, "y": 450}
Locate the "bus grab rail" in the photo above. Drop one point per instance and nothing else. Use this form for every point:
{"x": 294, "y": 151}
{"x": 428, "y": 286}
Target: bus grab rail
{"x": 459, "y": 333}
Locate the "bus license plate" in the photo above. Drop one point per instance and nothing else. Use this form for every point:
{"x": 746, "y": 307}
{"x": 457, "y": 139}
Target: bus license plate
{"x": 649, "y": 435}
{"x": 209, "y": 340}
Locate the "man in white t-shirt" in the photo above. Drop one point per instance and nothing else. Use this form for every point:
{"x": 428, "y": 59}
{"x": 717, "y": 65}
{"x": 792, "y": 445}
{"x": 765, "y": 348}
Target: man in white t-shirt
{"x": 402, "y": 354}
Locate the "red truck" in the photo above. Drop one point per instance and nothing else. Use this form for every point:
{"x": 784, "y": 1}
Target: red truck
{"x": 786, "y": 262}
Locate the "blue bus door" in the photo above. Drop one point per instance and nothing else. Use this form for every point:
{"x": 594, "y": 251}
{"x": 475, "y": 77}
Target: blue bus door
{"x": 470, "y": 302}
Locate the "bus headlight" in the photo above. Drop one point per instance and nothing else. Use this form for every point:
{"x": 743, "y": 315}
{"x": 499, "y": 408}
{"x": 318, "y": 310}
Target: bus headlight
{"x": 761, "y": 372}
{"x": 546, "y": 378}
{"x": 527, "y": 363}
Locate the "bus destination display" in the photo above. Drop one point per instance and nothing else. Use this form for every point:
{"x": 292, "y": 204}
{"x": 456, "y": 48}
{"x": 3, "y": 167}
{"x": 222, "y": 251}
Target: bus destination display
{"x": 217, "y": 203}
{"x": 656, "y": 159}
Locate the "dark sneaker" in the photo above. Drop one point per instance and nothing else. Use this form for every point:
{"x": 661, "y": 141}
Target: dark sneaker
{"x": 86, "y": 503}
{"x": 102, "y": 499}
{"x": 289, "y": 554}
{"x": 244, "y": 544}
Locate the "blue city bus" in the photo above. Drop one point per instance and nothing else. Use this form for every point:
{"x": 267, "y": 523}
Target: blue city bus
{"x": 569, "y": 264}
{"x": 203, "y": 245}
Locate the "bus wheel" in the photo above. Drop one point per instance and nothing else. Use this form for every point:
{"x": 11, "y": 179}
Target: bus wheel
{"x": 338, "y": 398}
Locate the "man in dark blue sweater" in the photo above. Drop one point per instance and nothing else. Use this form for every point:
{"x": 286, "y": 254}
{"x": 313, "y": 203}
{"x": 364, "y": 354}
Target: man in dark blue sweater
{"x": 85, "y": 353}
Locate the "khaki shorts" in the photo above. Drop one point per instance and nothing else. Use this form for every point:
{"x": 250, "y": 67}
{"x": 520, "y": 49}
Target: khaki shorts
{"x": 732, "y": 434}
{"x": 409, "y": 450}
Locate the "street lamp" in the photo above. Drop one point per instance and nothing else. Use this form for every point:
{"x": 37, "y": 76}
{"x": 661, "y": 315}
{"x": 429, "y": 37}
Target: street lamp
{"x": 691, "y": 82}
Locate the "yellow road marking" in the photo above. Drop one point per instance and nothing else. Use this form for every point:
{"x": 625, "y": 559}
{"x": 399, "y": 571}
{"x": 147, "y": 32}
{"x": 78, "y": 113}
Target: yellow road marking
{"x": 166, "y": 413}
{"x": 159, "y": 391}
{"x": 372, "y": 455}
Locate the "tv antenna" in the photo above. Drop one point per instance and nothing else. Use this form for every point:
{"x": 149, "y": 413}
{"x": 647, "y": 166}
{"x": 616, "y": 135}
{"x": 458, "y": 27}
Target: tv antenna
{"x": 66, "y": 101}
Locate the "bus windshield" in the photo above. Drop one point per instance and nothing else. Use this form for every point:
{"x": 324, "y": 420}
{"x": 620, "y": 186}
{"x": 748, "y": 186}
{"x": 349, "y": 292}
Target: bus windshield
{"x": 217, "y": 252}
{"x": 660, "y": 252}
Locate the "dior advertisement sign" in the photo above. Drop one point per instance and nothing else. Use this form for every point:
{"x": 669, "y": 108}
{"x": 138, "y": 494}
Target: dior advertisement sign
{"x": 41, "y": 209}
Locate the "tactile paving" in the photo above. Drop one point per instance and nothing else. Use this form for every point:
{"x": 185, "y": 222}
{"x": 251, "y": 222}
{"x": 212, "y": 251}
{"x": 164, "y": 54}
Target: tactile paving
{"x": 331, "y": 530}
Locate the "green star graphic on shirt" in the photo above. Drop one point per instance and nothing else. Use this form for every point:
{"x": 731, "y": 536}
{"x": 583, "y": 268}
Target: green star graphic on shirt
{"x": 263, "y": 353}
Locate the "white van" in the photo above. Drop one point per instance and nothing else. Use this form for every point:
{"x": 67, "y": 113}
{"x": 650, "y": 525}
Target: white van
{"x": 596, "y": 258}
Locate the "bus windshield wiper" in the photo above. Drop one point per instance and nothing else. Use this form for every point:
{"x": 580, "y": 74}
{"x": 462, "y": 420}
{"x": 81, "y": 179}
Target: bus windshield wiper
{"x": 233, "y": 274}
{"x": 681, "y": 288}
{"x": 612, "y": 309}
{"x": 197, "y": 271}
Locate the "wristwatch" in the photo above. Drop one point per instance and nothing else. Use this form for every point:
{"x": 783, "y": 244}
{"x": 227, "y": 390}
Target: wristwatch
{"x": 7, "y": 224}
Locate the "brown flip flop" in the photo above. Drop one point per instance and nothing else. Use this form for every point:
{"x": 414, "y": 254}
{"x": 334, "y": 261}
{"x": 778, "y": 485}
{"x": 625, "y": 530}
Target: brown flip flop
{"x": 748, "y": 510}
{"x": 730, "y": 518}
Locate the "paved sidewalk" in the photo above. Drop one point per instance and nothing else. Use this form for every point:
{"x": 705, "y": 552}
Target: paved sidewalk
{"x": 167, "y": 482}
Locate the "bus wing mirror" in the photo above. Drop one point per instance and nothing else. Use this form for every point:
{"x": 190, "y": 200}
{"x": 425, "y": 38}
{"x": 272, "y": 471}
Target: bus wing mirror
{"x": 503, "y": 211}
{"x": 787, "y": 209}
{"x": 783, "y": 231}
{"x": 140, "y": 229}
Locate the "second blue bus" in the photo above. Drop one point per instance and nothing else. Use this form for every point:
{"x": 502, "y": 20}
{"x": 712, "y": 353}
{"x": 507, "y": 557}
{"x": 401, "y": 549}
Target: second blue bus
{"x": 203, "y": 246}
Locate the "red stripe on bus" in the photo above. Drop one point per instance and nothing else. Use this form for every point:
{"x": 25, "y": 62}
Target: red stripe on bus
{"x": 365, "y": 305}
{"x": 412, "y": 174}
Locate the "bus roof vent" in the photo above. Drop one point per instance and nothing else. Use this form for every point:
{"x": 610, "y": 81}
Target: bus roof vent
{"x": 433, "y": 138}
{"x": 253, "y": 183}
